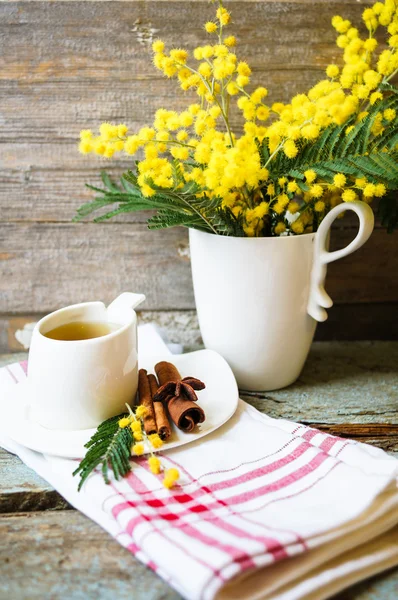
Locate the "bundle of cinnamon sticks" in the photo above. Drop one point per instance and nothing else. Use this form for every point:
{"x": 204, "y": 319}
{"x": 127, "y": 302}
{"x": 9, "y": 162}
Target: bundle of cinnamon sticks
{"x": 167, "y": 395}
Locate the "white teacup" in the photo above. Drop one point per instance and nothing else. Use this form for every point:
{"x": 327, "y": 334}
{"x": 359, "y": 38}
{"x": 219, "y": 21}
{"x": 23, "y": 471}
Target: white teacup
{"x": 78, "y": 384}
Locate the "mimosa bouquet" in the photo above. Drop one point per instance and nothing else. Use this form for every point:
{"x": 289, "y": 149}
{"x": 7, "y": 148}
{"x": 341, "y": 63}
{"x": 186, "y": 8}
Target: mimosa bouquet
{"x": 290, "y": 164}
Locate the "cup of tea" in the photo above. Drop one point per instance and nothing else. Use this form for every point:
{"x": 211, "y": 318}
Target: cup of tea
{"x": 83, "y": 363}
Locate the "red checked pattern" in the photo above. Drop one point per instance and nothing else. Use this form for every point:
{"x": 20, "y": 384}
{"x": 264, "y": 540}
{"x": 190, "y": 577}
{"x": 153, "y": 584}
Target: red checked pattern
{"x": 216, "y": 524}
{"x": 174, "y": 510}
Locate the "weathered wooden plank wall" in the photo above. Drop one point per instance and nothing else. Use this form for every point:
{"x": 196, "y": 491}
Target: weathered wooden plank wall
{"x": 69, "y": 65}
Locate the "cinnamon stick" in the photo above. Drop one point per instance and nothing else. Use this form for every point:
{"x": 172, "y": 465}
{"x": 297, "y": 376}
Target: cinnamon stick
{"x": 179, "y": 396}
{"x": 184, "y": 413}
{"x": 166, "y": 372}
{"x": 145, "y": 398}
{"x": 162, "y": 422}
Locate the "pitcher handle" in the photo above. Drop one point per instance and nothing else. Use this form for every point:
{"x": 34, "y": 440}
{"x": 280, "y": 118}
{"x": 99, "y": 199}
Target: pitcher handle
{"x": 318, "y": 298}
{"x": 126, "y": 300}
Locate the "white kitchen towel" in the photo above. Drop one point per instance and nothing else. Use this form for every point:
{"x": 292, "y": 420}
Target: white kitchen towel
{"x": 264, "y": 508}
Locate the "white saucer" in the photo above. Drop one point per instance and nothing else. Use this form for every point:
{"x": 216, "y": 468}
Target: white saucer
{"x": 219, "y": 400}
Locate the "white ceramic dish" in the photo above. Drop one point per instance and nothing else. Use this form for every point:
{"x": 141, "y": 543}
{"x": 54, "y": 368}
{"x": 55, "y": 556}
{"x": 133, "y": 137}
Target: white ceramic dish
{"x": 219, "y": 400}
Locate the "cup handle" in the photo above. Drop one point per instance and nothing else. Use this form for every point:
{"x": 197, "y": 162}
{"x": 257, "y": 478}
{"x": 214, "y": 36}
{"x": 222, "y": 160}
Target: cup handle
{"x": 318, "y": 298}
{"x": 125, "y": 300}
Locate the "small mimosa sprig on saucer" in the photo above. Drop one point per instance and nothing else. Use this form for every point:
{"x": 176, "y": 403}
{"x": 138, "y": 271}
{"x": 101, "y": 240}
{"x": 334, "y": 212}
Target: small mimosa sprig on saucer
{"x": 117, "y": 440}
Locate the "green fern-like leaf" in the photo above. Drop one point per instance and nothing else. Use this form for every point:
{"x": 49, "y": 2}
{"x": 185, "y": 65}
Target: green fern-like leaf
{"x": 90, "y": 207}
{"x": 354, "y": 154}
{"x": 378, "y": 167}
{"x": 164, "y": 219}
{"x": 229, "y": 224}
{"x": 388, "y": 140}
{"x": 131, "y": 178}
{"x": 109, "y": 447}
{"x": 335, "y": 144}
{"x": 322, "y": 147}
{"x": 178, "y": 176}
{"x": 108, "y": 183}
{"x": 389, "y": 87}
{"x": 126, "y": 207}
{"x": 263, "y": 152}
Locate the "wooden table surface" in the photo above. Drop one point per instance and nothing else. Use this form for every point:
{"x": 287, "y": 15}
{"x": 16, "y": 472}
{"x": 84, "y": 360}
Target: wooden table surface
{"x": 50, "y": 551}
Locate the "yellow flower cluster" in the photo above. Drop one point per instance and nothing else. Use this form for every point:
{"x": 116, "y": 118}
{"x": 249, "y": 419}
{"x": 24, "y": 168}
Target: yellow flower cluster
{"x": 134, "y": 422}
{"x": 336, "y": 99}
{"x": 171, "y": 477}
{"x": 155, "y": 465}
{"x": 199, "y": 140}
{"x": 155, "y": 440}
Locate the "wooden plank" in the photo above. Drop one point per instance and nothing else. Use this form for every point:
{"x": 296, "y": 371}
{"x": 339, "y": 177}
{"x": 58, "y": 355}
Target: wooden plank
{"x": 382, "y": 435}
{"x": 381, "y": 587}
{"x": 232, "y": 2}
{"x": 54, "y": 194}
{"x": 345, "y": 322}
{"x": 342, "y": 382}
{"x": 360, "y": 322}
{"x": 21, "y": 490}
{"x": 364, "y": 275}
{"x": 64, "y": 554}
{"x": 62, "y": 264}
{"x": 68, "y": 263}
{"x": 6, "y": 359}
{"x": 63, "y": 50}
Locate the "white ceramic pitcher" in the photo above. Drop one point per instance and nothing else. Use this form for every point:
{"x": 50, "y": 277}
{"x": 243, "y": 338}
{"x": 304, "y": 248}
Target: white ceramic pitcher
{"x": 259, "y": 299}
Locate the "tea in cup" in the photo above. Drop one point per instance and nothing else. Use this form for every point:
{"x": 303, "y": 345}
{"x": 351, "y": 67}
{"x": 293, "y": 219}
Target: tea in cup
{"x": 81, "y": 330}
{"x": 83, "y": 363}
